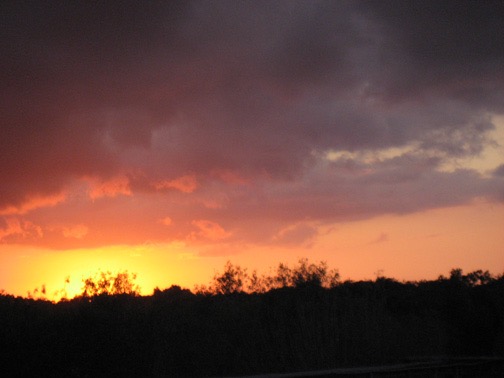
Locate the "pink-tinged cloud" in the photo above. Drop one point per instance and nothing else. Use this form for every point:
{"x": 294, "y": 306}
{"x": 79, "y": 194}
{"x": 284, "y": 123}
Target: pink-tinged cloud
{"x": 185, "y": 184}
{"x": 77, "y": 231}
{"x": 110, "y": 188}
{"x": 208, "y": 230}
{"x": 33, "y": 203}
{"x": 14, "y": 230}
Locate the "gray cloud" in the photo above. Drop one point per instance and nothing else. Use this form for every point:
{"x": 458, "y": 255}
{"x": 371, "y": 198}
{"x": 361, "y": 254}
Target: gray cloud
{"x": 258, "y": 90}
{"x": 499, "y": 171}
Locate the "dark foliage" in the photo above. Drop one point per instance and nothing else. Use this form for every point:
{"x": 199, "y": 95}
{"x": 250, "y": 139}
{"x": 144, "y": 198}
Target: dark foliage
{"x": 105, "y": 283}
{"x": 303, "y": 325}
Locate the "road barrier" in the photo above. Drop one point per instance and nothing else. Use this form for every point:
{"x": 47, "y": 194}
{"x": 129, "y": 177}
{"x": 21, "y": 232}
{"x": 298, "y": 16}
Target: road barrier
{"x": 439, "y": 367}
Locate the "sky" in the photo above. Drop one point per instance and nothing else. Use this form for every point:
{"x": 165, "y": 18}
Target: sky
{"x": 166, "y": 138}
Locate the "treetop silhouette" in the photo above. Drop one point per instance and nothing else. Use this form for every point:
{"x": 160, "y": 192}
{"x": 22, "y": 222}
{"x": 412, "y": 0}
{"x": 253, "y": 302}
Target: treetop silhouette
{"x": 105, "y": 283}
{"x": 235, "y": 279}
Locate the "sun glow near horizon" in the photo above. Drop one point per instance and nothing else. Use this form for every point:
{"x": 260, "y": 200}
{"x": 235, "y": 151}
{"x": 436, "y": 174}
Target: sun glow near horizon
{"x": 122, "y": 151}
{"x": 404, "y": 247}
{"x": 62, "y": 272}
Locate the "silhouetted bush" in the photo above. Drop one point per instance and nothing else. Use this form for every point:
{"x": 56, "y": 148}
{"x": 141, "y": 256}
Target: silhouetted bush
{"x": 105, "y": 283}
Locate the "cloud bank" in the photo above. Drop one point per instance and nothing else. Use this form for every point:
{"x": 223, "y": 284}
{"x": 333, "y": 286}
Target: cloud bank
{"x": 247, "y": 121}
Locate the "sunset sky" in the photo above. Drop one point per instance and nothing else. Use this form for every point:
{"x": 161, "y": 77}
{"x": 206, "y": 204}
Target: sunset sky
{"x": 165, "y": 138}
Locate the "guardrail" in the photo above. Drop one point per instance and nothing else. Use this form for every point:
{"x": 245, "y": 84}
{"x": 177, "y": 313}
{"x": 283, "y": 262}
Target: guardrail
{"x": 418, "y": 368}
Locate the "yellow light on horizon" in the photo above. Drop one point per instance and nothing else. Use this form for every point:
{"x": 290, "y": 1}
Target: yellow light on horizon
{"x": 25, "y": 269}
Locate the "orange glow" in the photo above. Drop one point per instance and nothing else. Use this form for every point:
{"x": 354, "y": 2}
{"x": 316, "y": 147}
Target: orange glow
{"x": 14, "y": 226}
{"x": 24, "y": 269}
{"x": 167, "y": 221}
{"x": 77, "y": 231}
{"x": 208, "y": 230}
{"x": 419, "y": 246}
{"x": 410, "y": 247}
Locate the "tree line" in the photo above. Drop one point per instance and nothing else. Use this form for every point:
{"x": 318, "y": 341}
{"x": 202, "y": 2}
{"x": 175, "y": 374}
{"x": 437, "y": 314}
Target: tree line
{"x": 296, "y": 319}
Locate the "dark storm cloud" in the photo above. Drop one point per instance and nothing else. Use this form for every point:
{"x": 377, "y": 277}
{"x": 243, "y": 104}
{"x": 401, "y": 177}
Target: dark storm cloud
{"x": 451, "y": 47}
{"x": 499, "y": 171}
{"x": 258, "y": 90}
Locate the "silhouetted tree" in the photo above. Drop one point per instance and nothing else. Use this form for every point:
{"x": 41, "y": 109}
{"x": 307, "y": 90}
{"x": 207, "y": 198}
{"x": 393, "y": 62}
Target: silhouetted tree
{"x": 256, "y": 284}
{"x": 310, "y": 274}
{"x": 232, "y": 280}
{"x": 104, "y": 283}
{"x": 283, "y": 277}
